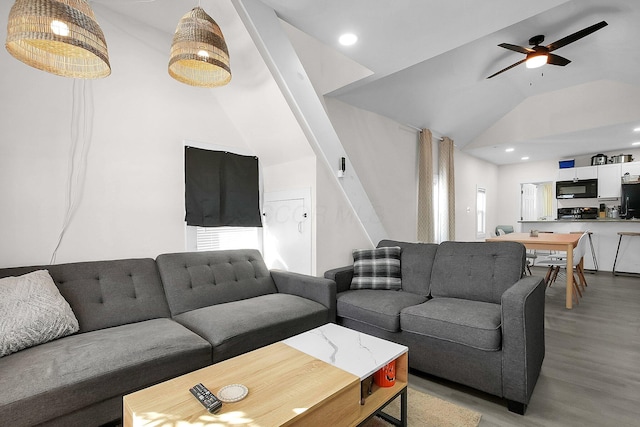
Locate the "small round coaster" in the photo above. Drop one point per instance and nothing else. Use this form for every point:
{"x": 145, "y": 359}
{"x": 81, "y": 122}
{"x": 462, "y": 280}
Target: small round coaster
{"x": 232, "y": 393}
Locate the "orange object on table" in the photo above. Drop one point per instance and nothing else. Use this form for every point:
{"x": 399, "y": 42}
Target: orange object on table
{"x": 386, "y": 376}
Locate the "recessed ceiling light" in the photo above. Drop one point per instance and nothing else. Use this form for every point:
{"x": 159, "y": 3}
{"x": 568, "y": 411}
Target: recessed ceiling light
{"x": 348, "y": 39}
{"x": 635, "y": 143}
{"x": 636, "y": 130}
{"x": 524, "y": 158}
{"x": 509, "y": 150}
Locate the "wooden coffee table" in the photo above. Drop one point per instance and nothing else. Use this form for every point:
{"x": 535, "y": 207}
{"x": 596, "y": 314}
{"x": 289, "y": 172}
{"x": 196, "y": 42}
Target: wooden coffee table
{"x": 287, "y": 386}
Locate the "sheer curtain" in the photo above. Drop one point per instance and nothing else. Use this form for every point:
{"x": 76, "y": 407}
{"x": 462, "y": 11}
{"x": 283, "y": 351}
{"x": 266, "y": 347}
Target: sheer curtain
{"x": 447, "y": 191}
{"x": 426, "y": 229}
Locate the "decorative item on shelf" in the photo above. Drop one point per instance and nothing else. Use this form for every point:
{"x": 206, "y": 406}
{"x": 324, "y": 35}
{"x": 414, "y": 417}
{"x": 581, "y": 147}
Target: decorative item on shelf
{"x": 622, "y": 158}
{"x": 566, "y": 164}
{"x": 386, "y": 376}
{"x": 199, "y": 55}
{"x": 598, "y": 159}
{"x": 60, "y": 37}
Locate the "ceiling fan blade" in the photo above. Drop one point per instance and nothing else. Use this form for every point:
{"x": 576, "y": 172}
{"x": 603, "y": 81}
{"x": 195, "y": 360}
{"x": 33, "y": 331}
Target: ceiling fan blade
{"x": 516, "y": 48}
{"x": 576, "y": 36}
{"x": 557, "y": 60}
{"x": 508, "y": 68}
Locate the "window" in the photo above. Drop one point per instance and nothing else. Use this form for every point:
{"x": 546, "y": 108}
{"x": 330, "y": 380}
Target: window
{"x": 481, "y": 213}
{"x": 217, "y": 238}
{"x": 217, "y": 184}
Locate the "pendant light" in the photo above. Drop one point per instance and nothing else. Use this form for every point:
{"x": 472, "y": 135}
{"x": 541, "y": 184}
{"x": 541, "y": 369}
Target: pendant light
{"x": 199, "y": 55}
{"x": 61, "y": 37}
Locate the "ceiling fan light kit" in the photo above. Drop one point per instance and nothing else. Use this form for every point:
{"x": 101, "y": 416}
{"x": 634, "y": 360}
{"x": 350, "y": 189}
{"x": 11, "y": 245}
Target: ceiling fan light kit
{"x": 537, "y": 56}
{"x": 60, "y": 37}
{"x": 536, "y": 60}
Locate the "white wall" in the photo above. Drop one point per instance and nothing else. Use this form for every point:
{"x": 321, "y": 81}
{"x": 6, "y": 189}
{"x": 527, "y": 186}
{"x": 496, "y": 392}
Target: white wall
{"x": 510, "y": 178}
{"x": 384, "y": 154}
{"x": 339, "y": 231}
{"x": 132, "y": 204}
{"x": 470, "y": 173}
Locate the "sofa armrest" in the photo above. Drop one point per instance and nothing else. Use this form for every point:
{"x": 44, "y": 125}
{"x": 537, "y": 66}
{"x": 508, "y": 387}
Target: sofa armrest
{"x": 522, "y": 337}
{"x": 342, "y": 276}
{"x": 317, "y": 289}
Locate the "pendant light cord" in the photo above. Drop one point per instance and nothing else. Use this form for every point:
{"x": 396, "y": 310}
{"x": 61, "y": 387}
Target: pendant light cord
{"x": 81, "y": 133}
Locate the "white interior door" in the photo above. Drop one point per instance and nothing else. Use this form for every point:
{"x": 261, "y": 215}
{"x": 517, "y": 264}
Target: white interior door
{"x": 287, "y": 231}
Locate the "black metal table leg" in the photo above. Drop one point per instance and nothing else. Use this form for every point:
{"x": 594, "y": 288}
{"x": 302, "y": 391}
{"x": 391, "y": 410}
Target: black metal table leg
{"x": 402, "y": 422}
{"x": 593, "y": 254}
{"x": 616, "y": 258}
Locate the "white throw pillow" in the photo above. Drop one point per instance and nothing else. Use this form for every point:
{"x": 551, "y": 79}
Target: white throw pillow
{"x": 32, "y": 312}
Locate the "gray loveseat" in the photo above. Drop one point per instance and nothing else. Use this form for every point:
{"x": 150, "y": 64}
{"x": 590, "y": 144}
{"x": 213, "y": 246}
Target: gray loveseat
{"x": 143, "y": 321}
{"x": 465, "y": 312}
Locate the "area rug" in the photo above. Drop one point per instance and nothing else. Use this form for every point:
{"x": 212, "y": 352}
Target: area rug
{"x": 429, "y": 411}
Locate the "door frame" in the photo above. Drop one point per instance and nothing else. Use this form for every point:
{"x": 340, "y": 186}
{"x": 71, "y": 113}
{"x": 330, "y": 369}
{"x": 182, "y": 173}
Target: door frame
{"x": 299, "y": 193}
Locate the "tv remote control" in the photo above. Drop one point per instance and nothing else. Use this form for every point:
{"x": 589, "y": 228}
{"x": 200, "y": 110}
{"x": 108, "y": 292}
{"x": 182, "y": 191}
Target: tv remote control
{"x": 208, "y": 399}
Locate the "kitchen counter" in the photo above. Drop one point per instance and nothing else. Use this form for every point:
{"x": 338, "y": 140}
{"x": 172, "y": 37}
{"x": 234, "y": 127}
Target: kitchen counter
{"x": 605, "y": 240}
{"x": 550, "y": 221}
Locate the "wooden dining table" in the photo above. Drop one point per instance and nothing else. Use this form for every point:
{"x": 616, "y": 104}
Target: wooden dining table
{"x": 564, "y": 242}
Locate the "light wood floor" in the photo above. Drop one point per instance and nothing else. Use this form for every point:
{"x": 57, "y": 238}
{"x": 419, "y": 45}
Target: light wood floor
{"x": 591, "y": 371}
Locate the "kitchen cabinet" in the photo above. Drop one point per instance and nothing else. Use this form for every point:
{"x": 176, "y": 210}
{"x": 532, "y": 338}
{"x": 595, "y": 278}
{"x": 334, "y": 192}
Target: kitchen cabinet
{"x": 609, "y": 182}
{"x": 633, "y": 168}
{"x": 584, "y": 172}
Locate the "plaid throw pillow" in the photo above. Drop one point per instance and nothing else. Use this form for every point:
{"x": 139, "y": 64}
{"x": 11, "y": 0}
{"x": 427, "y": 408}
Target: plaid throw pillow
{"x": 376, "y": 268}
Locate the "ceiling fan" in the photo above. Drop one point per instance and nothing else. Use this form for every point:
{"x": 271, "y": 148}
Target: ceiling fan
{"x": 540, "y": 55}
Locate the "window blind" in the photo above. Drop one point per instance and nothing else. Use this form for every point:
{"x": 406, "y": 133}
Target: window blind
{"x": 221, "y": 189}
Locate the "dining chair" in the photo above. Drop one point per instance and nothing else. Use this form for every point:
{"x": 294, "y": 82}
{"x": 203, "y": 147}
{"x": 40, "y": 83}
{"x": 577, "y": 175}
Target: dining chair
{"x": 555, "y": 263}
{"x": 531, "y": 256}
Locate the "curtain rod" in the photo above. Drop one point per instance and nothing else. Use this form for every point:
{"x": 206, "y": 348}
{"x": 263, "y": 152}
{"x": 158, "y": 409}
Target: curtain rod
{"x": 440, "y": 138}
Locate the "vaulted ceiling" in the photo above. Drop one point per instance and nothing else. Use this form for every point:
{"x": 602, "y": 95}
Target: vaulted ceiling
{"x": 429, "y": 61}
{"x": 425, "y": 64}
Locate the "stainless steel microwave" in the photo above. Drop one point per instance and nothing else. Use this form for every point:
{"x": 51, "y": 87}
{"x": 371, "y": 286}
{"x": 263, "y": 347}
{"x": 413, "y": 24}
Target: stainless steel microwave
{"x": 580, "y": 189}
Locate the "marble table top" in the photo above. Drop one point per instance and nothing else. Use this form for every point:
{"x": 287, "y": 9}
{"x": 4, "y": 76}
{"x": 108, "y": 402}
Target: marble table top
{"x": 349, "y": 350}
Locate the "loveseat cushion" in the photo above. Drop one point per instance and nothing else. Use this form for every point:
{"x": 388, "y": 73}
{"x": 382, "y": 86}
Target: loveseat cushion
{"x": 237, "y": 327}
{"x": 479, "y": 271}
{"x": 472, "y": 323}
{"x": 194, "y": 280}
{"x": 103, "y": 294}
{"x": 379, "y": 308}
{"x": 62, "y": 376}
{"x": 416, "y": 261}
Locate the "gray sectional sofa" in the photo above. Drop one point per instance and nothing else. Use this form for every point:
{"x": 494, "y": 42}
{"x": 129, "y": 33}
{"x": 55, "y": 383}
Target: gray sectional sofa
{"x": 143, "y": 321}
{"x": 464, "y": 310}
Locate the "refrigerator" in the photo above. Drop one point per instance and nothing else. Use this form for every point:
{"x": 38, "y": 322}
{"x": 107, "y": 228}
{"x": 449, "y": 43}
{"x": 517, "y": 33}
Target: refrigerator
{"x": 630, "y": 201}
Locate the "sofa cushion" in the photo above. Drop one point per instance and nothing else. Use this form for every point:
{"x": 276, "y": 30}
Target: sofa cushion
{"x": 237, "y": 327}
{"x": 32, "y": 312}
{"x": 472, "y": 323}
{"x": 378, "y": 308}
{"x": 62, "y": 376}
{"x": 479, "y": 271}
{"x": 103, "y": 294}
{"x": 194, "y": 280}
{"x": 376, "y": 268}
{"x": 416, "y": 262}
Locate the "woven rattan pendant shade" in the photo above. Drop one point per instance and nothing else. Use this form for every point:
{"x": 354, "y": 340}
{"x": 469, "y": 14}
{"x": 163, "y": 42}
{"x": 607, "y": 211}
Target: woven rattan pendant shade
{"x": 61, "y": 37}
{"x": 199, "y": 55}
